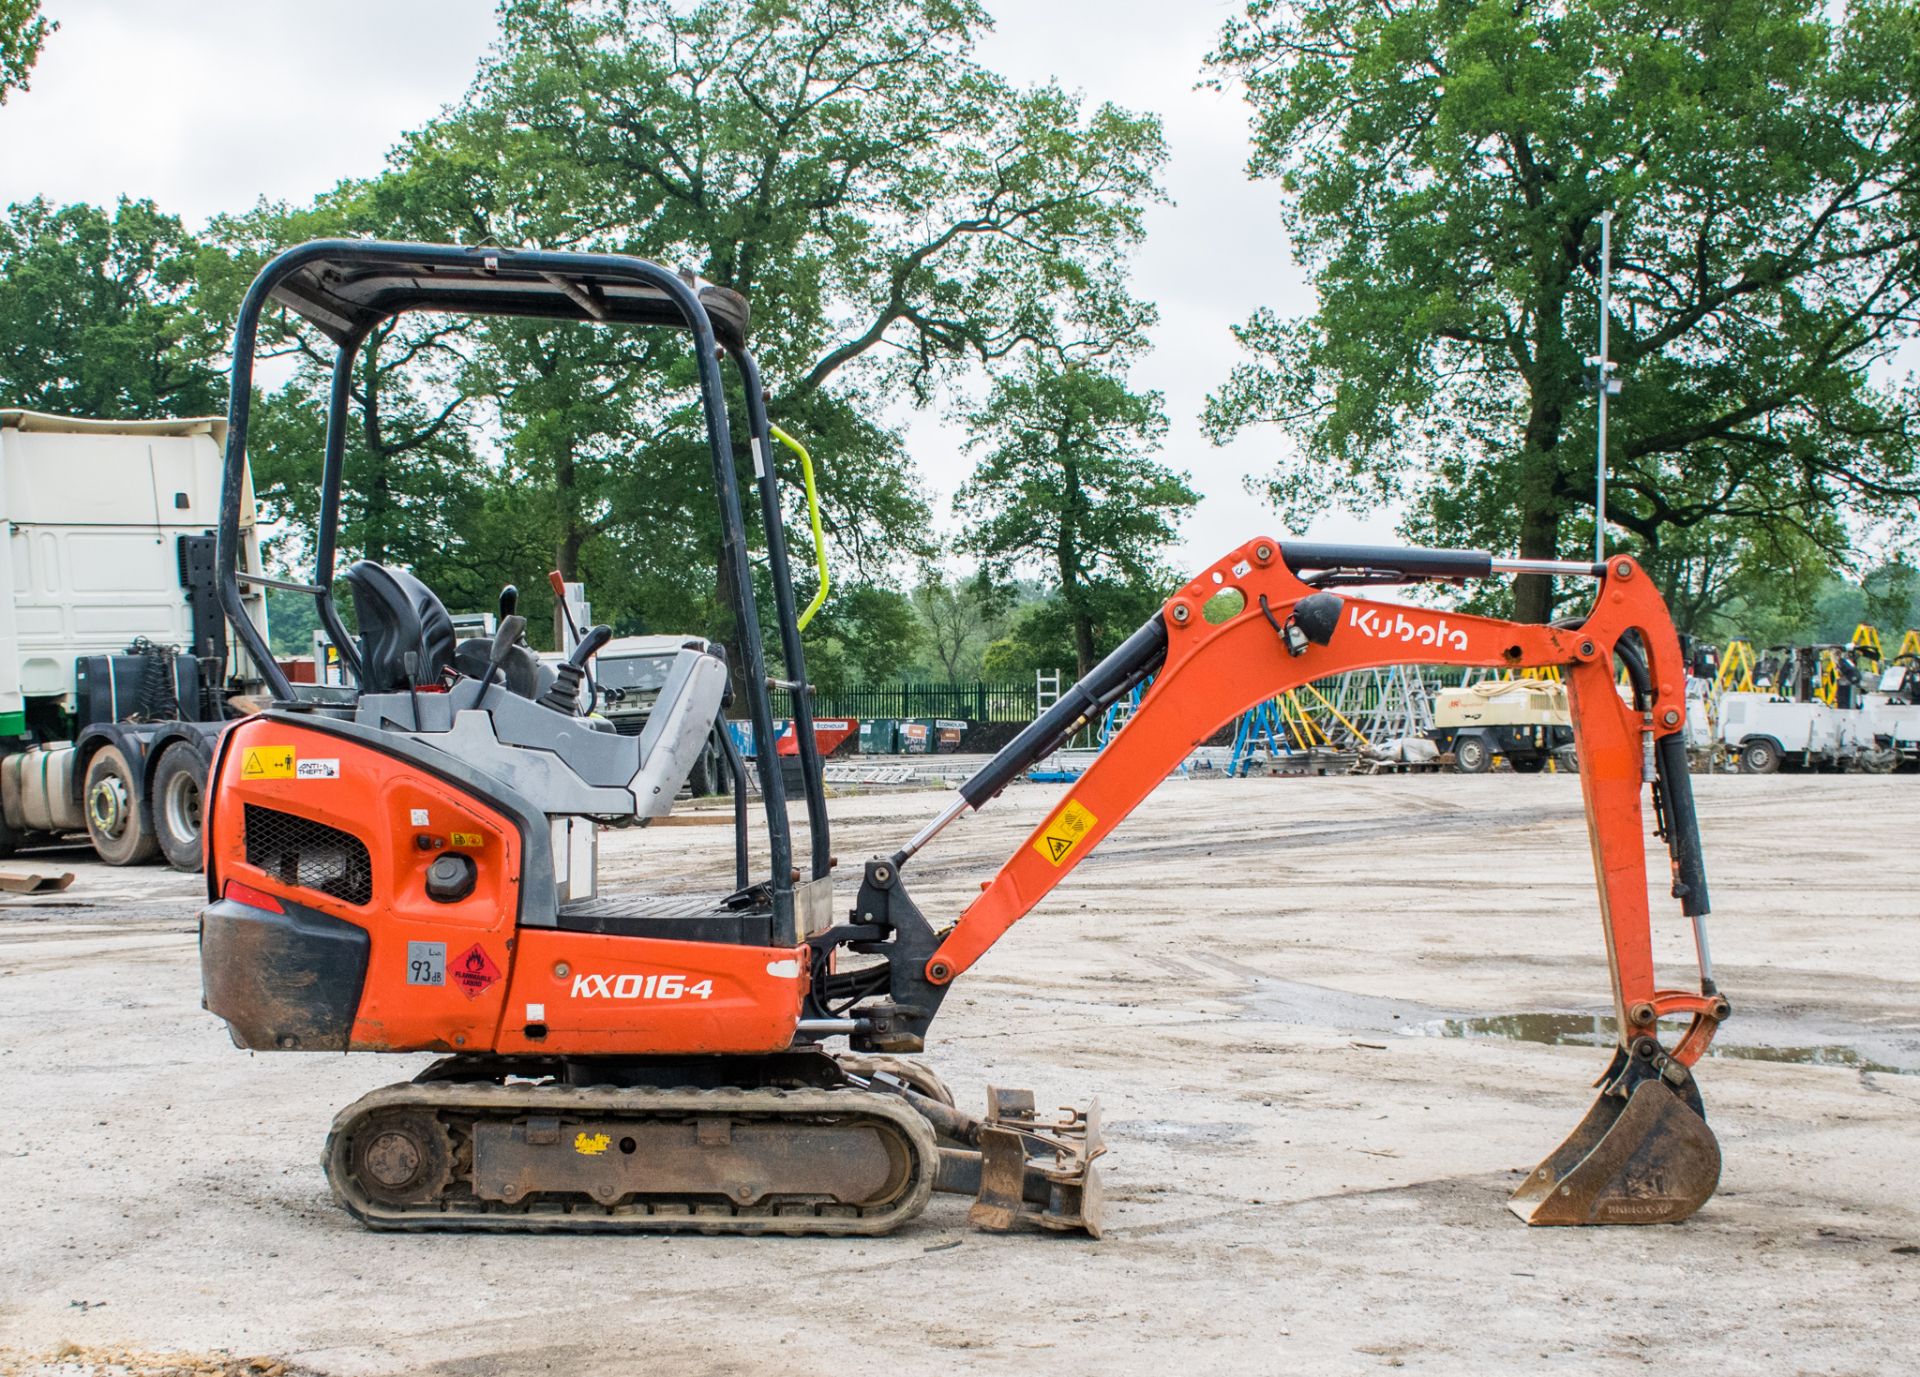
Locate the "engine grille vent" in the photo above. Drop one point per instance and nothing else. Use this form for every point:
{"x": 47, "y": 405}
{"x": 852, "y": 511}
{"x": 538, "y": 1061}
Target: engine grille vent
{"x": 311, "y": 855}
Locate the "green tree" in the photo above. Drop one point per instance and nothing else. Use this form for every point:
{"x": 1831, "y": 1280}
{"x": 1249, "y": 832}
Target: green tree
{"x": 1730, "y": 579}
{"x": 23, "y": 29}
{"x": 1446, "y": 164}
{"x": 864, "y": 633}
{"x": 95, "y": 316}
{"x": 428, "y": 483}
{"x": 894, "y": 210}
{"x": 959, "y": 618}
{"x": 896, "y": 213}
{"x": 1040, "y": 634}
{"x": 1068, "y": 485}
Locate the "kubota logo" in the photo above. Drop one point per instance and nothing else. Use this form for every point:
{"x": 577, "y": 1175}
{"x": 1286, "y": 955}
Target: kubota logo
{"x": 1397, "y": 626}
{"x": 662, "y": 986}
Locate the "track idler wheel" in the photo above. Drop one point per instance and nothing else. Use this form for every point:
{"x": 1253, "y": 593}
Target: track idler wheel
{"x": 1643, "y": 1154}
{"x": 401, "y": 1157}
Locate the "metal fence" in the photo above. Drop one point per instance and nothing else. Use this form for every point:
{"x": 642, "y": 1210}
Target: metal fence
{"x": 1013, "y": 700}
{"x": 979, "y": 701}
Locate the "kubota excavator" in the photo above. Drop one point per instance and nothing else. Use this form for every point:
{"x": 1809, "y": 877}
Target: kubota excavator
{"x": 410, "y": 866}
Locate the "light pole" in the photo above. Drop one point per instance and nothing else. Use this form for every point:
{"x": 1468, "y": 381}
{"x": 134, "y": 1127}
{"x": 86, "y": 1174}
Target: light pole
{"x": 1607, "y": 386}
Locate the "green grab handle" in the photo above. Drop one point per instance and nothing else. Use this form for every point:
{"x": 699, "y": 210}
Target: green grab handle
{"x": 813, "y": 515}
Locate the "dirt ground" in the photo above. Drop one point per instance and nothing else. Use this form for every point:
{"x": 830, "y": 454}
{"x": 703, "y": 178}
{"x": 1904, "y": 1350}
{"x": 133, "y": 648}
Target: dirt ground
{"x": 1302, "y": 1177}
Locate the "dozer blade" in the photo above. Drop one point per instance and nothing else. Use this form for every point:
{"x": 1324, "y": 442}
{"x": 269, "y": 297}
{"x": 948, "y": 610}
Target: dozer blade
{"x": 1018, "y": 1166}
{"x": 1640, "y": 1157}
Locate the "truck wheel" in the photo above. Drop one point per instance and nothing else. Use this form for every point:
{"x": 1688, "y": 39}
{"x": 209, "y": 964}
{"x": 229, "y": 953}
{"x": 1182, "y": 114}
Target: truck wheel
{"x": 1759, "y": 757}
{"x": 111, "y": 801}
{"x": 179, "y": 785}
{"x": 1471, "y": 756}
{"x": 700, "y": 778}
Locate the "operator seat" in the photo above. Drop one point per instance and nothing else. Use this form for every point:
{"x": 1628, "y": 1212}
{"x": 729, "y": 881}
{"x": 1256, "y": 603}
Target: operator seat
{"x": 397, "y": 614}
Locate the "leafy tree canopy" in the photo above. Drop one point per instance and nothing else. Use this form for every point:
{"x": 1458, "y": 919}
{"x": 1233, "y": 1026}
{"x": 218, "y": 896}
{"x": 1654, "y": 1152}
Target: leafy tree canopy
{"x": 95, "y": 315}
{"x": 863, "y": 633}
{"x": 23, "y": 29}
{"x": 959, "y": 618}
{"x": 897, "y": 213}
{"x": 1067, "y": 484}
{"x": 1446, "y": 164}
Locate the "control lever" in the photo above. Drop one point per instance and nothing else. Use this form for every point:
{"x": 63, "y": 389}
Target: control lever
{"x": 590, "y": 645}
{"x": 558, "y": 582}
{"x": 509, "y": 601}
{"x": 410, "y": 662}
{"x": 563, "y": 695}
{"x": 512, "y": 627}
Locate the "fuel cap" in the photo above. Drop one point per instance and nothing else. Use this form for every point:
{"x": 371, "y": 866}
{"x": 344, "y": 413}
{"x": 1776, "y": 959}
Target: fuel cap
{"x": 451, "y": 877}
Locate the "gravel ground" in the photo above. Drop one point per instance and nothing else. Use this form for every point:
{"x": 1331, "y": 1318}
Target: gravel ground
{"x": 1255, "y": 977}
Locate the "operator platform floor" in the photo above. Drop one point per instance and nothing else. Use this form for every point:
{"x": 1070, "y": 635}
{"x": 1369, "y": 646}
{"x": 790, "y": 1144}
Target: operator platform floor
{"x": 1258, "y": 979}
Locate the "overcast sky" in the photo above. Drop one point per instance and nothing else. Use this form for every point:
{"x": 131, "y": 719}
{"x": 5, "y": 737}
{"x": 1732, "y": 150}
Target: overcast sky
{"x": 211, "y": 105}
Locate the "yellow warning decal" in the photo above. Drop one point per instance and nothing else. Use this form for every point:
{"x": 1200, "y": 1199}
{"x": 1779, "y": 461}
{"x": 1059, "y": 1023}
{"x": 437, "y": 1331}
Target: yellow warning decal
{"x": 267, "y": 762}
{"x": 465, "y": 839}
{"x": 590, "y": 1145}
{"x": 1059, "y": 837}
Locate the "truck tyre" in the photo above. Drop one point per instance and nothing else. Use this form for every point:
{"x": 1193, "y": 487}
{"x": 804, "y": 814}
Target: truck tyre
{"x": 1472, "y": 755}
{"x": 179, "y": 785}
{"x": 700, "y": 778}
{"x": 1759, "y": 757}
{"x": 116, "y": 824}
{"x": 10, "y": 840}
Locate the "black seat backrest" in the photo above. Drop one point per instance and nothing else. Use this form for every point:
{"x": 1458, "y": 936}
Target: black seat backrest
{"x": 398, "y": 613}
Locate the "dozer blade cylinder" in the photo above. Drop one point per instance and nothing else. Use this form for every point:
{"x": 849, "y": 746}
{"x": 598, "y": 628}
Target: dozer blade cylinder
{"x": 1644, "y": 1157}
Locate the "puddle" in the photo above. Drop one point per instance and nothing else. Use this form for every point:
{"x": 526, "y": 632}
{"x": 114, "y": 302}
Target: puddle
{"x": 1175, "y": 1131}
{"x": 1597, "y": 1030}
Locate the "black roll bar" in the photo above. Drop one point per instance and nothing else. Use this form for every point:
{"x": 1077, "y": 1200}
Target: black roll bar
{"x": 346, "y": 286}
{"x": 811, "y": 774}
{"x": 332, "y": 468}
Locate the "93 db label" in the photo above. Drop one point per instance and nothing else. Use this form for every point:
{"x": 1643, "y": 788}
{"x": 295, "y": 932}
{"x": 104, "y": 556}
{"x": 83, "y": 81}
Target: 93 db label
{"x": 426, "y": 963}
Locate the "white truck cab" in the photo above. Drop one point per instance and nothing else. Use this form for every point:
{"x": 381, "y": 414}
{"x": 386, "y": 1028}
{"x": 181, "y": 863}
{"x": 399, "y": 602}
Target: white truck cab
{"x": 113, "y": 649}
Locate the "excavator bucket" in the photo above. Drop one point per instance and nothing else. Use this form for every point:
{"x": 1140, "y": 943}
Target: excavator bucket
{"x": 1642, "y": 1155}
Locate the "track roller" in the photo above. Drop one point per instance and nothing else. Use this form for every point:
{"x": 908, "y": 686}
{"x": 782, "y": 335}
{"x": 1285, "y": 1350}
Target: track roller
{"x": 526, "y": 1157}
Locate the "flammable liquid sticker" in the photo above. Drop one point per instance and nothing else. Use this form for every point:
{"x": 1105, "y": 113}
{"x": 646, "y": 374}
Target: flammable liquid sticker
{"x": 474, "y": 971}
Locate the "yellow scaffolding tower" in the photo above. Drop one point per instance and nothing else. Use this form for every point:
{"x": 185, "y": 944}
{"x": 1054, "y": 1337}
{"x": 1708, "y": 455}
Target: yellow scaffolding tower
{"x": 1866, "y": 647}
{"x": 1736, "y": 669}
{"x": 1910, "y": 644}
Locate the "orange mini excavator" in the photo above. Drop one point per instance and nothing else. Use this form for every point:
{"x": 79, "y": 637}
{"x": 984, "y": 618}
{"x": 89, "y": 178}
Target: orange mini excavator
{"x": 408, "y": 864}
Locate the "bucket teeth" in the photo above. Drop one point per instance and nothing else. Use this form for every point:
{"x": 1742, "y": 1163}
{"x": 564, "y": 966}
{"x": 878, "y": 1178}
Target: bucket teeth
{"x": 1641, "y": 1156}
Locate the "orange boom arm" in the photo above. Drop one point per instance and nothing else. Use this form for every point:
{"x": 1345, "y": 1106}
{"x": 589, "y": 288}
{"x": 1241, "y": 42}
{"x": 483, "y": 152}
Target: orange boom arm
{"x": 1215, "y": 671}
{"x": 1644, "y": 1153}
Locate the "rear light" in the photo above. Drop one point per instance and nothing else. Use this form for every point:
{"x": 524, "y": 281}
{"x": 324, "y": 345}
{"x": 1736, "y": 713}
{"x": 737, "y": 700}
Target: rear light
{"x": 247, "y": 894}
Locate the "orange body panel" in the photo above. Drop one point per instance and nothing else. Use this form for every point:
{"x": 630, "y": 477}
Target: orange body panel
{"x": 601, "y": 994}
{"x": 494, "y": 969}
